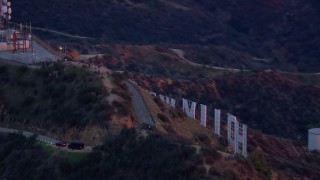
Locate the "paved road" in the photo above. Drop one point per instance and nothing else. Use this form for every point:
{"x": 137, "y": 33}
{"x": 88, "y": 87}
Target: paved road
{"x": 141, "y": 111}
{"x": 43, "y": 139}
{"x": 29, "y": 134}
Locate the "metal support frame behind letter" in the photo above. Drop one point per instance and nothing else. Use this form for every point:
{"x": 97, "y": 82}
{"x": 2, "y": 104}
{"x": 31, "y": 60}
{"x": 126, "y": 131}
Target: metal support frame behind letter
{"x": 237, "y": 135}
{"x": 242, "y": 139}
{"x": 232, "y": 121}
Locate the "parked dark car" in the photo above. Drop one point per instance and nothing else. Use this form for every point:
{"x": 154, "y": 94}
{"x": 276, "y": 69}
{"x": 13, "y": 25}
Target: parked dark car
{"x": 76, "y": 145}
{"x": 61, "y": 144}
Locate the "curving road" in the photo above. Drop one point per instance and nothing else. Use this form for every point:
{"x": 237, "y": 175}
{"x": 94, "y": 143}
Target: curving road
{"x": 29, "y": 134}
{"x": 141, "y": 111}
{"x": 43, "y": 139}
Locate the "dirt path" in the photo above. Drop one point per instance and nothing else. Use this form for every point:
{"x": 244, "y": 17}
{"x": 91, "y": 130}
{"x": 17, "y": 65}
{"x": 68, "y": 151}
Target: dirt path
{"x": 102, "y": 70}
{"x": 108, "y": 84}
{"x": 181, "y": 54}
{"x": 105, "y": 79}
{"x": 62, "y": 33}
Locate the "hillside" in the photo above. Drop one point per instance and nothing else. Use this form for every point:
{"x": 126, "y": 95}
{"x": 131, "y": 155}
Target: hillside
{"x": 131, "y": 154}
{"x": 157, "y": 61}
{"x": 270, "y": 156}
{"x": 273, "y": 102}
{"x": 137, "y": 154}
{"x": 193, "y": 149}
{"x": 125, "y": 156}
{"x": 260, "y": 98}
{"x": 284, "y": 159}
{"x": 278, "y": 34}
{"x": 255, "y": 59}
{"x": 63, "y": 101}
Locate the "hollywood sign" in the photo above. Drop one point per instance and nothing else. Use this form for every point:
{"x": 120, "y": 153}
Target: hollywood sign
{"x": 237, "y": 132}
{"x": 170, "y": 101}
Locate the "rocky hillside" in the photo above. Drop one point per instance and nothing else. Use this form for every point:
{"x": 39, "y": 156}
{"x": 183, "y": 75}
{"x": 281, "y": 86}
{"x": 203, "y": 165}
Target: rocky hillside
{"x": 269, "y": 156}
{"x": 287, "y": 102}
{"x": 273, "y": 102}
{"x": 281, "y": 158}
{"x": 277, "y": 34}
{"x": 190, "y": 157}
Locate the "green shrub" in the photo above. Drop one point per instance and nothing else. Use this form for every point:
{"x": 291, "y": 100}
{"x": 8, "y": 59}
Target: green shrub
{"x": 223, "y": 141}
{"x": 22, "y": 70}
{"x": 27, "y": 101}
{"x": 260, "y": 164}
{"x": 163, "y": 118}
{"x": 46, "y": 94}
{"x": 69, "y": 77}
{"x": 3, "y": 69}
{"x": 203, "y": 138}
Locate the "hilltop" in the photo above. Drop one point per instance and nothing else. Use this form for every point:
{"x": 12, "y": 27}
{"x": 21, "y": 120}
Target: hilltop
{"x": 278, "y": 34}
